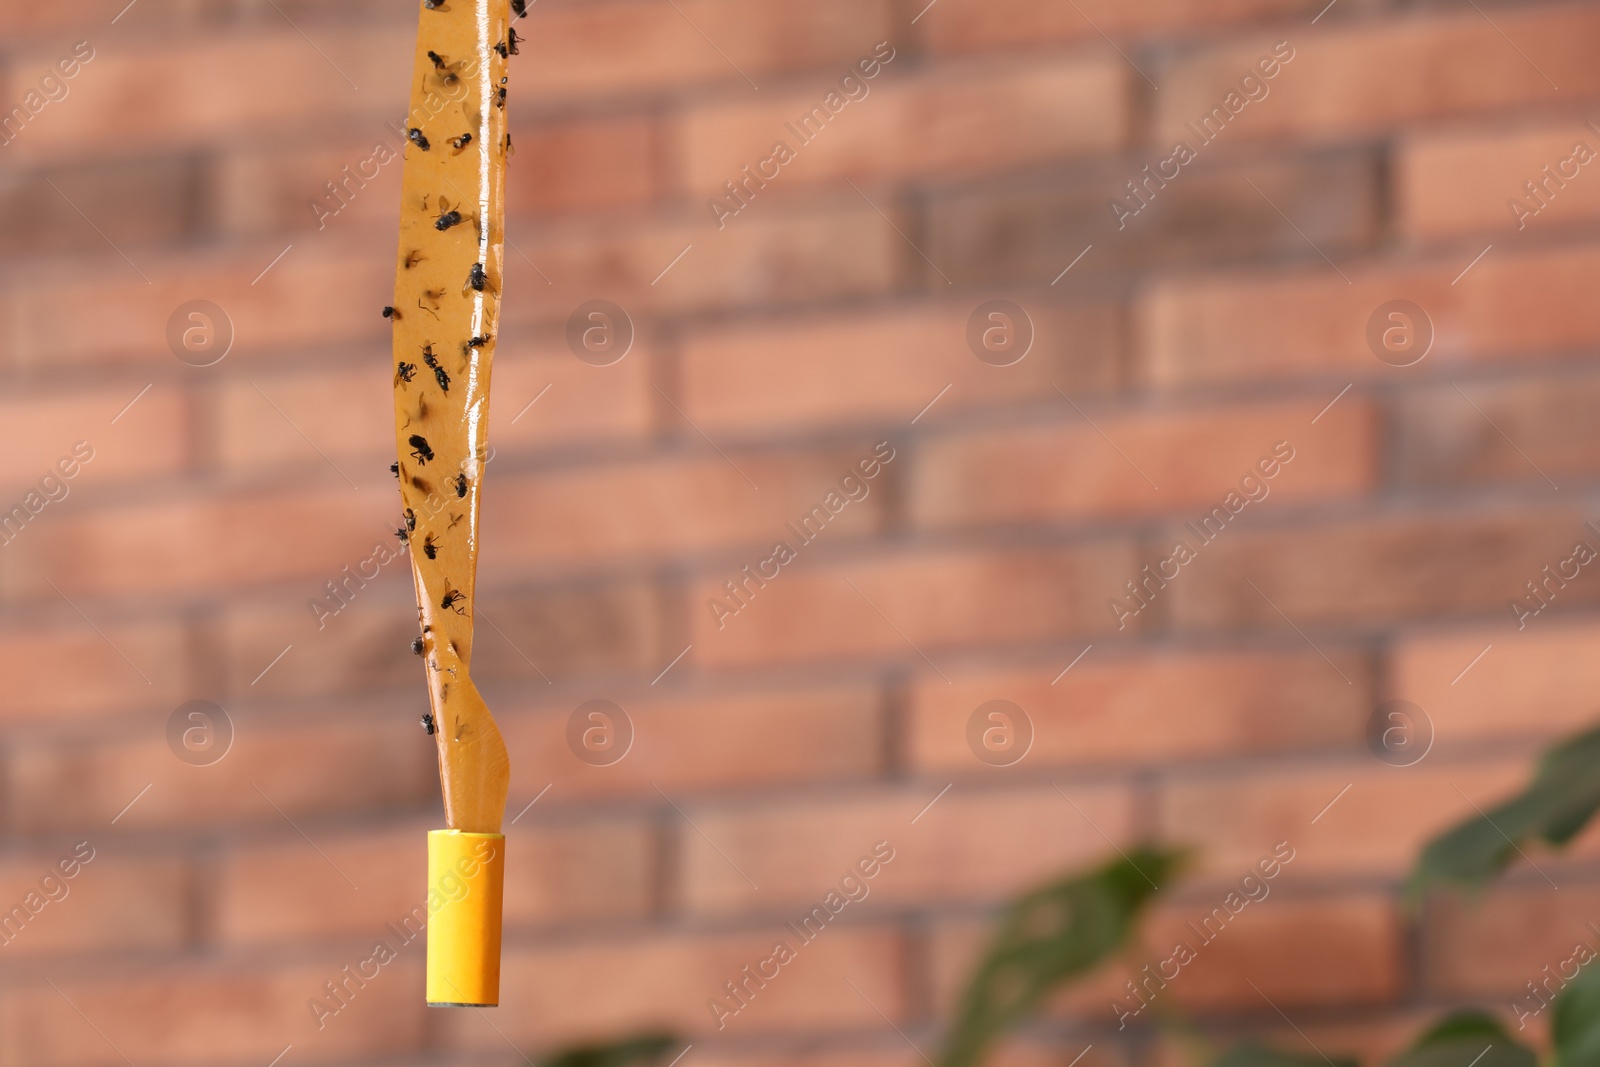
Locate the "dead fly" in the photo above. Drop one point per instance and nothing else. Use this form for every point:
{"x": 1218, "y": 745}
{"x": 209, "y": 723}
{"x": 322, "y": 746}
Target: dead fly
{"x": 418, "y": 138}
{"x": 461, "y": 485}
{"x": 438, "y": 372}
{"x": 520, "y": 7}
{"x": 427, "y": 722}
{"x": 394, "y": 469}
{"x": 430, "y": 549}
{"x": 452, "y": 597}
{"x": 500, "y": 98}
{"x": 417, "y": 646}
{"x": 508, "y": 47}
{"x": 391, "y": 313}
{"x": 446, "y": 220}
{"x": 405, "y": 372}
{"x": 479, "y": 341}
{"x": 433, "y": 5}
{"x": 443, "y": 68}
{"x": 461, "y": 142}
{"x": 400, "y": 532}
{"x": 476, "y": 279}
{"x": 411, "y": 519}
{"x": 424, "y": 452}
{"x": 509, "y": 150}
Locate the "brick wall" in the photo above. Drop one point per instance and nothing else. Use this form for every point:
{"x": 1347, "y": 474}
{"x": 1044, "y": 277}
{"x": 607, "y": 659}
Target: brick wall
{"x": 1218, "y": 321}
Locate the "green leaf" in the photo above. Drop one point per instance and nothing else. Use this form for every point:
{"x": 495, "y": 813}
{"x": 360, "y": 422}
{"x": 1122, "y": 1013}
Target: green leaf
{"x": 1466, "y": 1038}
{"x": 643, "y": 1048}
{"x": 1575, "y": 1021}
{"x": 1048, "y": 937}
{"x": 1563, "y": 796}
{"x": 1255, "y": 1054}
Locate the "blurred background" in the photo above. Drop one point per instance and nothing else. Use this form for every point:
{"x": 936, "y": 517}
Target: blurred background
{"x": 986, "y": 273}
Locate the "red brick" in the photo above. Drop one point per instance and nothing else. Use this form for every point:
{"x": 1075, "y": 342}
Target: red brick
{"x": 282, "y": 893}
{"x": 1527, "y": 430}
{"x": 666, "y": 981}
{"x": 1461, "y": 181}
{"x": 704, "y": 742}
{"x": 571, "y": 631}
{"x": 879, "y": 1053}
{"x": 264, "y": 779}
{"x": 261, "y": 191}
{"x": 111, "y": 903}
{"x": 359, "y": 644}
{"x": 196, "y": 545}
{"x": 930, "y": 603}
{"x": 131, "y": 203}
{"x": 959, "y": 26}
{"x": 217, "y": 85}
{"x": 584, "y": 403}
{"x": 605, "y": 49}
{"x": 558, "y": 166}
{"x": 582, "y": 165}
{"x": 325, "y": 293}
{"x": 1299, "y": 953}
{"x": 1532, "y": 683}
{"x": 794, "y": 337}
{"x": 72, "y": 670}
{"x": 673, "y": 505}
{"x": 909, "y": 127}
{"x": 347, "y": 412}
{"x": 1494, "y": 945}
{"x": 956, "y": 946}
{"x": 1222, "y": 210}
{"x": 315, "y": 14}
{"x": 26, "y": 19}
{"x": 203, "y": 1014}
{"x": 1371, "y": 1037}
{"x": 833, "y": 249}
{"x": 969, "y": 845}
{"x": 1038, "y": 1050}
{"x": 1390, "y": 568}
{"x": 1376, "y": 829}
{"x": 295, "y": 419}
{"x": 1113, "y": 708}
{"x": 1053, "y": 472}
{"x": 71, "y": 315}
{"x": 151, "y": 438}
{"x": 365, "y": 645}
{"x": 884, "y": 366}
{"x": 1345, "y": 80}
{"x": 1289, "y": 324}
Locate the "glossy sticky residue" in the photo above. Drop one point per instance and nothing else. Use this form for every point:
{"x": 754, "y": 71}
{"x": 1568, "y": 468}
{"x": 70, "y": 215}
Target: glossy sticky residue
{"x": 446, "y": 315}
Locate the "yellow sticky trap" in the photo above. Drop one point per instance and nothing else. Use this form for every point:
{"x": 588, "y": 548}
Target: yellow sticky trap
{"x": 466, "y": 887}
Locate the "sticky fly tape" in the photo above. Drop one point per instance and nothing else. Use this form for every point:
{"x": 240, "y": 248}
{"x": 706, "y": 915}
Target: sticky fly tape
{"x": 466, "y": 885}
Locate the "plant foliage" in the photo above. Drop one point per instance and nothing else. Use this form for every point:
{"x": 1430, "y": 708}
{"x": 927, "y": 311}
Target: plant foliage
{"x": 1050, "y": 936}
{"x": 1462, "y": 1038}
{"x": 1255, "y": 1054}
{"x": 1575, "y": 1021}
{"x": 640, "y": 1050}
{"x": 1559, "y": 802}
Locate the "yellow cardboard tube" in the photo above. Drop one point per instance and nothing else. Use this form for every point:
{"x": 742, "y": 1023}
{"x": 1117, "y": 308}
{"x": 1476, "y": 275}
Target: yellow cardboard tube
{"x": 466, "y": 887}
